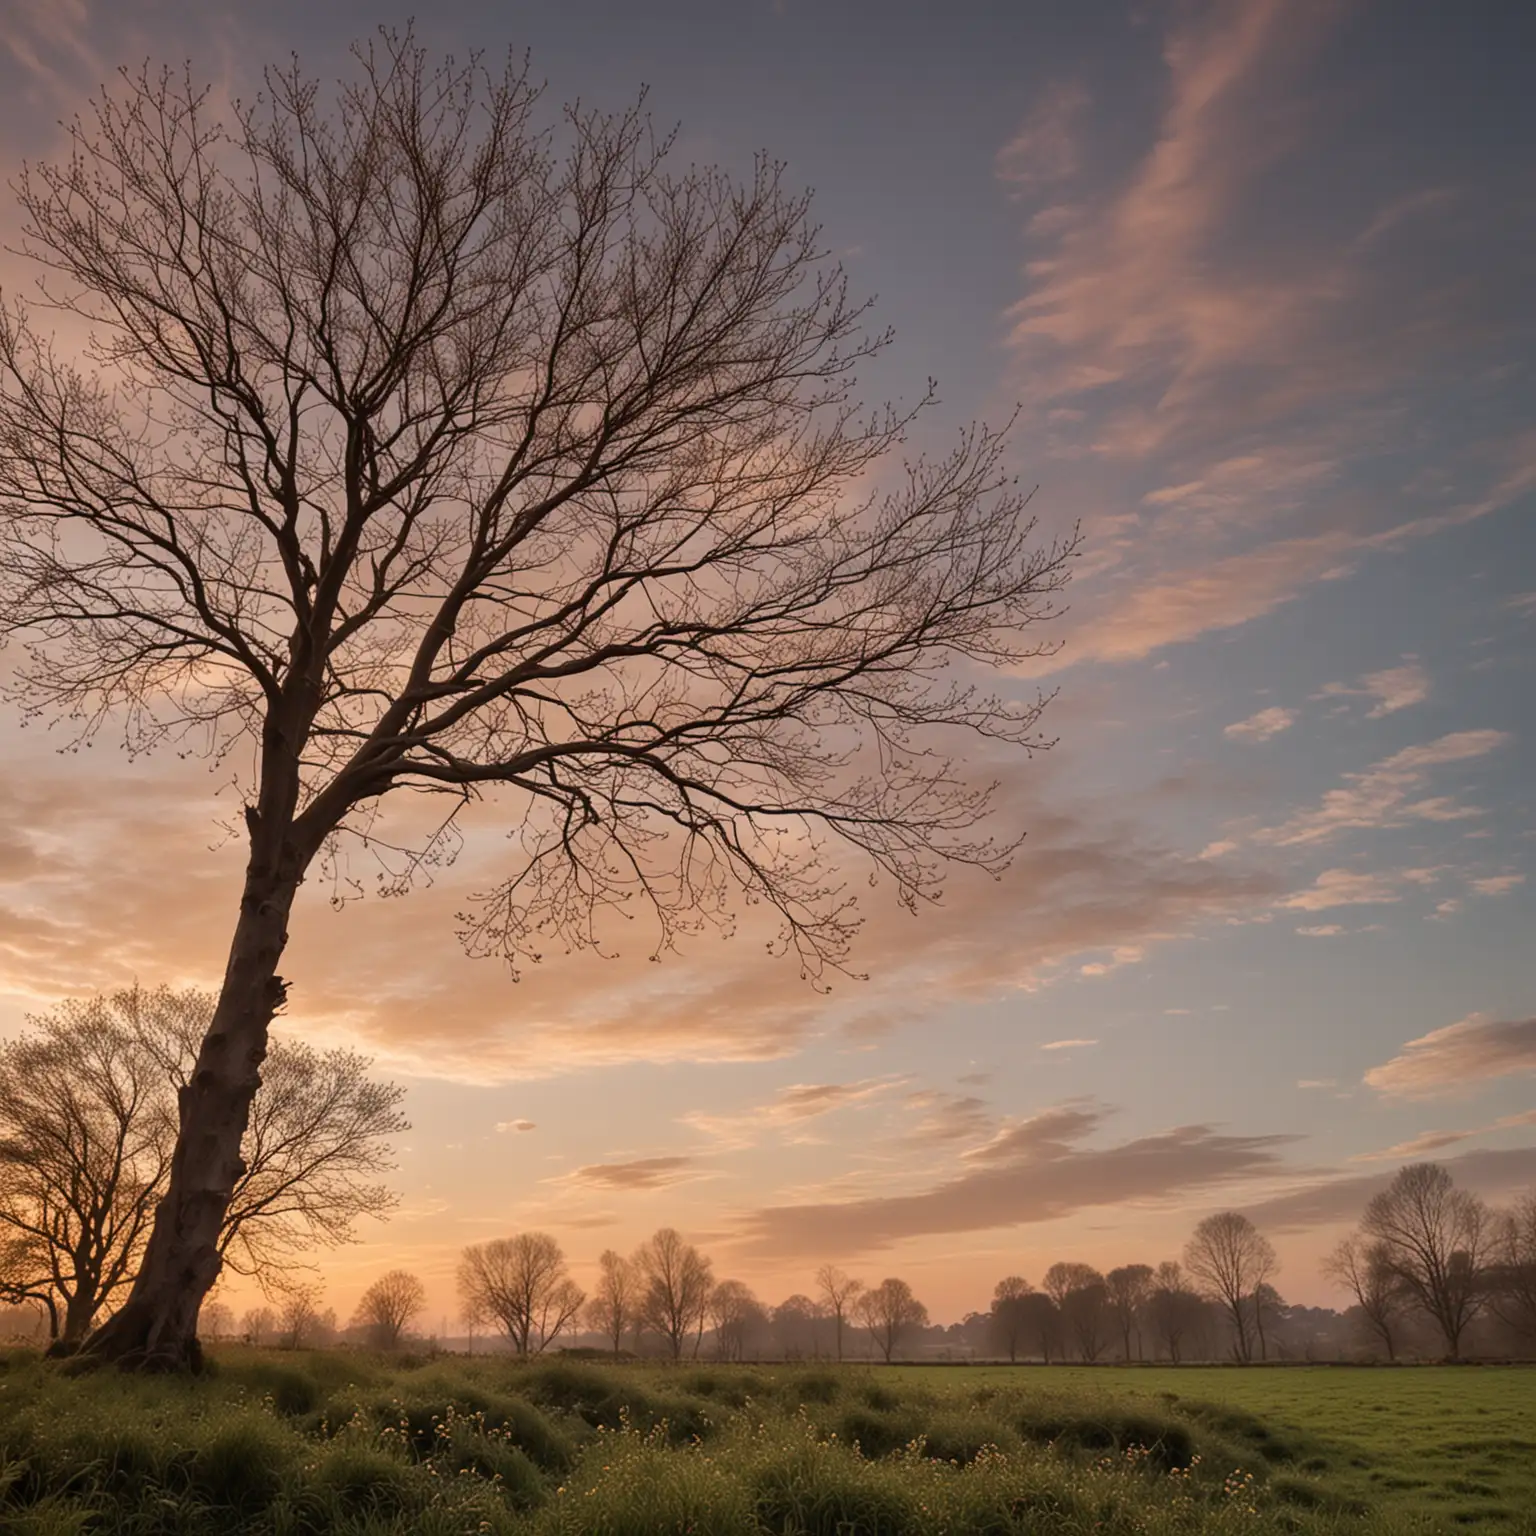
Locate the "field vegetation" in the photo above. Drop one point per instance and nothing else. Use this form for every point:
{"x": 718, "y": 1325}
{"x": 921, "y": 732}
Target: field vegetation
{"x": 348, "y": 1442}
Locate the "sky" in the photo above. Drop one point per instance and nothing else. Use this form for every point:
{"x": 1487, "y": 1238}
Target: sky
{"x": 1256, "y": 277}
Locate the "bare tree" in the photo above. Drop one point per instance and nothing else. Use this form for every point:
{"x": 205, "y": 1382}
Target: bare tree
{"x": 1081, "y": 1302}
{"x": 298, "y": 1317}
{"x": 1129, "y": 1287}
{"x": 1436, "y": 1240}
{"x": 1268, "y": 1306}
{"x": 735, "y": 1314}
{"x": 417, "y": 454}
{"x": 612, "y": 1307}
{"x": 88, "y": 1098}
{"x": 86, "y": 1130}
{"x": 1173, "y": 1309}
{"x": 890, "y": 1311}
{"x": 1512, "y": 1291}
{"x": 1364, "y": 1270}
{"x": 797, "y": 1324}
{"x": 215, "y": 1321}
{"x": 1008, "y": 1321}
{"x": 840, "y": 1293}
{"x": 1231, "y": 1259}
{"x": 387, "y": 1307}
{"x": 522, "y": 1285}
{"x": 258, "y": 1325}
{"x": 1042, "y": 1324}
{"x": 678, "y": 1281}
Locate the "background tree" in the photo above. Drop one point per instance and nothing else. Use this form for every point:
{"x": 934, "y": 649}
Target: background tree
{"x": 388, "y": 1306}
{"x": 1435, "y": 1239}
{"x": 258, "y": 1325}
{"x": 298, "y": 1317}
{"x": 1231, "y": 1259}
{"x": 88, "y": 1097}
{"x": 1365, "y": 1271}
{"x": 798, "y": 1323}
{"x": 1512, "y": 1287}
{"x": 523, "y": 1286}
{"x": 840, "y": 1293}
{"x": 215, "y": 1321}
{"x": 737, "y": 1317}
{"x": 1008, "y": 1321}
{"x": 890, "y": 1312}
{"x": 415, "y": 453}
{"x": 1081, "y": 1304}
{"x": 1174, "y": 1310}
{"x": 611, "y": 1309}
{"x": 86, "y": 1129}
{"x": 1129, "y": 1286}
{"x": 1042, "y": 1324}
{"x": 678, "y": 1281}
{"x": 1268, "y": 1309}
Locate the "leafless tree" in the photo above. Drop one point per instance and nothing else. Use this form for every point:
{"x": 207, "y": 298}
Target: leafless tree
{"x": 1174, "y": 1310}
{"x": 890, "y": 1312}
{"x": 735, "y": 1314}
{"x": 1230, "y": 1259}
{"x": 215, "y": 1321}
{"x": 86, "y": 1129}
{"x": 1042, "y": 1324}
{"x": 88, "y": 1099}
{"x": 798, "y": 1325}
{"x": 258, "y": 1325}
{"x": 314, "y": 1147}
{"x": 1008, "y": 1321}
{"x": 1129, "y": 1287}
{"x": 521, "y": 1284}
{"x": 1268, "y": 1306}
{"x": 1364, "y": 1270}
{"x": 1082, "y": 1302}
{"x": 388, "y": 1306}
{"x": 677, "y": 1283}
{"x": 1512, "y": 1293}
{"x": 1436, "y": 1239}
{"x": 840, "y": 1293}
{"x": 298, "y": 1317}
{"x": 414, "y": 453}
{"x": 611, "y": 1311}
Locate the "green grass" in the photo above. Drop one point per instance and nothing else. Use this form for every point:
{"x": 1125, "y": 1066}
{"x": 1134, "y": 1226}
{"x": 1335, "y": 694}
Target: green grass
{"x": 307, "y": 1445}
{"x": 1454, "y": 1445}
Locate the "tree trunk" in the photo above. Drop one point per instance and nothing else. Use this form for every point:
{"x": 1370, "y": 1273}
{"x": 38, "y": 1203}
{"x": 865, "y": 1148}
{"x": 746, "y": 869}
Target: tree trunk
{"x": 157, "y": 1326}
{"x": 78, "y": 1312}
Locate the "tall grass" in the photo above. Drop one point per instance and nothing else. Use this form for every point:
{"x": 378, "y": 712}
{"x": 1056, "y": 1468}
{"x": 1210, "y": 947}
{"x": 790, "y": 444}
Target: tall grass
{"x": 363, "y": 1447}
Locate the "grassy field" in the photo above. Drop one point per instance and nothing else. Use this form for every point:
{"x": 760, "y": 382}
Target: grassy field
{"x": 1454, "y": 1444}
{"x": 321, "y": 1443}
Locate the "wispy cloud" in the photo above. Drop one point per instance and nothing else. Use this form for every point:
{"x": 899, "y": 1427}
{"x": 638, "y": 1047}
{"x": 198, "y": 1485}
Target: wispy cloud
{"x": 1343, "y": 888}
{"x": 1066, "y": 1045}
{"x": 1393, "y": 689}
{"x": 1384, "y": 795}
{"x": 1263, "y": 726}
{"x": 1473, "y": 1051}
{"x": 641, "y": 1173}
{"x": 790, "y": 1108}
{"x": 1045, "y": 149}
{"x": 522, "y": 1126}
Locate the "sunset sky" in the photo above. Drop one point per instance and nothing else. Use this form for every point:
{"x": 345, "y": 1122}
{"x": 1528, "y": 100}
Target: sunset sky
{"x": 1259, "y": 275}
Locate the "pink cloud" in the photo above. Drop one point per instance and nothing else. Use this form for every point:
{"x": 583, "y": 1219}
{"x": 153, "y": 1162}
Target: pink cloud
{"x": 1463, "y": 1055}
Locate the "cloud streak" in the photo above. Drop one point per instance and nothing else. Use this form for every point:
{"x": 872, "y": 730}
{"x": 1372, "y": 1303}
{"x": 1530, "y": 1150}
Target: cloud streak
{"x": 1463, "y": 1055}
{"x": 1032, "y": 1171}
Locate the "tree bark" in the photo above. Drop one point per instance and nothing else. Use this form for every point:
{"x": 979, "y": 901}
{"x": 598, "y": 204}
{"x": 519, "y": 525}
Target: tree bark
{"x": 156, "y": 1329}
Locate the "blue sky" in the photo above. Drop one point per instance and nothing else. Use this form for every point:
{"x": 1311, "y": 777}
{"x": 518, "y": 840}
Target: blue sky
{"x": 1257, "y": 278}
